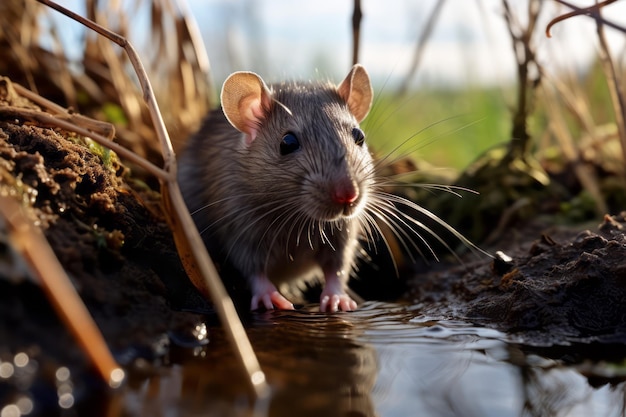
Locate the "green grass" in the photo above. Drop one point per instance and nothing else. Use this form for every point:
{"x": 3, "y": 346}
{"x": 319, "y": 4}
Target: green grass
{"x": 446, "y": 128}
{"x": 451, "y": 128}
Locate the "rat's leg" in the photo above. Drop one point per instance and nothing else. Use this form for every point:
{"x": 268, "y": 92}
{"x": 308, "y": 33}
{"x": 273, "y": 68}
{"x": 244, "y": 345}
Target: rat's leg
{"x": 334, "y": 297}
{"x": 265, "y": 294}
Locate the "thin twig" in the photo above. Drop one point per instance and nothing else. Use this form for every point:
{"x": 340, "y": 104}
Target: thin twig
{"x": 183, "y": 227}
{"x": 424, "y": 36}
{"x": 525, "y": 56}
{"x": 103, "y": 128}
{"x": 357, "y": 15}
{"x": 148, "y": 93}
{"x": 9, "y": 112}
{"x": 580, "y": 11}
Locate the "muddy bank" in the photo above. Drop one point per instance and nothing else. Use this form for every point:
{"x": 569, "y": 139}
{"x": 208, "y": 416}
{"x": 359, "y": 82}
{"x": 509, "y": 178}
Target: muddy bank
{"x": 110, "y": 237}
{"x": 561, "y": 286}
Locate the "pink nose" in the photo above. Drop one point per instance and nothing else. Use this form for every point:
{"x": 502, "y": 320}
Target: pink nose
{"x": 345, "y": 193}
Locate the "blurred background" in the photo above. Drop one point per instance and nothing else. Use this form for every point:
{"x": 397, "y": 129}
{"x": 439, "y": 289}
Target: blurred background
{"x": 456, "y": 54}
{"x": 451, "y": 77}
{"x": 469, "y": 43}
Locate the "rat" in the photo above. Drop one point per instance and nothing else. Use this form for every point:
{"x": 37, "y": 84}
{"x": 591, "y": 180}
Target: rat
{"x": 278, "y": 181}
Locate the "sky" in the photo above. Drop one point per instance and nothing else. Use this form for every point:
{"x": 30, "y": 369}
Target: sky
{"x": 302, "y": 39}
{"x": 312, "y": 38}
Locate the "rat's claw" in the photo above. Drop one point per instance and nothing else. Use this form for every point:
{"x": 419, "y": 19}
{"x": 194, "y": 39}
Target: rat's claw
{"x": 337, "y": 302}
{"x": 280, "y": 302}
{"x": 265, "y": 294}
{"x": 270, "y": 300}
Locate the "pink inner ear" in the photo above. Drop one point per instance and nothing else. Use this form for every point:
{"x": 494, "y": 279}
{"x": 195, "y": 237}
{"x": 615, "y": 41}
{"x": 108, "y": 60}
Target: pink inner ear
{"x": 253, "y": 115}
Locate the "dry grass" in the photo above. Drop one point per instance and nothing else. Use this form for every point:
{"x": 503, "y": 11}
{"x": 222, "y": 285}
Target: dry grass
{"x": 565, "y": 96}
{"x": 99, "y": 82}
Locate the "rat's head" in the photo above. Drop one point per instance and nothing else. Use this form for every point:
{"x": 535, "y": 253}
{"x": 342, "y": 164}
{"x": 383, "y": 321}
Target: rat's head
{"x": 302, "y": 144}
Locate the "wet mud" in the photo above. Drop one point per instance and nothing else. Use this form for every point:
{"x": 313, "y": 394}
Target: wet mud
{"x": 109, "y": 236}
{"x": 564, "y": 286}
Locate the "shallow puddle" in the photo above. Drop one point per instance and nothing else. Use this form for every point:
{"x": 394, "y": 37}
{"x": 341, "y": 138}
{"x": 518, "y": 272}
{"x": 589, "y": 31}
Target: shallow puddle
{"x": 382, "y": 360}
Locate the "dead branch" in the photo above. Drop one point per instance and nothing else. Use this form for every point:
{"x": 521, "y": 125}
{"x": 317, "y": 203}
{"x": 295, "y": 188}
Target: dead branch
{"x": 521, "y": 39}
{"x": 357, "y": 15}
{"x": 423, "y": 38}
{"x": 592, "y": 11}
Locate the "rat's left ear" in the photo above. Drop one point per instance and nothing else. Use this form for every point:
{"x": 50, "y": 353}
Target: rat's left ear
{"x": 245, "y": 101}
{"x": 356, "y": 90}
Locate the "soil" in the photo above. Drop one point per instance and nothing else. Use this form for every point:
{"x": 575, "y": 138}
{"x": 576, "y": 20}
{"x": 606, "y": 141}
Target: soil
{"x": 110, "y": 237}
{"x": 566, "y": 286}
{"x": 555, "y": 288}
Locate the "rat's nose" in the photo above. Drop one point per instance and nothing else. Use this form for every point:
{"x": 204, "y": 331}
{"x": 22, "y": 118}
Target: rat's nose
{"x": 345, "y": 193}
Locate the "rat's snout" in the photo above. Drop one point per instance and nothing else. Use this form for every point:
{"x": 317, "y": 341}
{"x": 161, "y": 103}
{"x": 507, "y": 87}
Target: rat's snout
{"x": 345, "y": 192}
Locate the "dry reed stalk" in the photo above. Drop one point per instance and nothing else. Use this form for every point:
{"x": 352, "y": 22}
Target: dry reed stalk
{"x": 612, "y": 78}
{"x": 558, "y": 126}
{"x": 19, "y": 51}
{"x": 573, "y": 99}
{"x": 189, "y": 243}
{"x": 614, "y": 83}
{"x": 31, "y": 49}
{"x": 30, "y": 242}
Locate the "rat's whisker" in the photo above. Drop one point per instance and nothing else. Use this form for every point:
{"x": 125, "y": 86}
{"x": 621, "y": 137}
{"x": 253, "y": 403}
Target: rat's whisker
{"x": 228, "y": 218}
{"x": 436, "y": 219}
{"x": 228, "y": 199}
{"x": 388, "y": 213}
{"x": 370, "y": 218}
{"x": 452, "y": 189}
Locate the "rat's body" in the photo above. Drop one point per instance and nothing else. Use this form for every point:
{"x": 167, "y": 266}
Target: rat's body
{"x": 277, "y": 182}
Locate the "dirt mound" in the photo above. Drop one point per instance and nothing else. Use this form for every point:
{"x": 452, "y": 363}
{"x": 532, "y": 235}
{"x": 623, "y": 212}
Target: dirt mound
{"x": 565, "y": 287}
{"x": 111, "y": 238}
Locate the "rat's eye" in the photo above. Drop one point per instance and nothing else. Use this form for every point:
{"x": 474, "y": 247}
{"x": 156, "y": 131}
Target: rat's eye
{"x": 359, "y": 136}
{"x": 289, "y": 144}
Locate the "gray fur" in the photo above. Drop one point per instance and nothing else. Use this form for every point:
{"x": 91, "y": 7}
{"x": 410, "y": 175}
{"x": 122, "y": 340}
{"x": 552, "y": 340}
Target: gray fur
{"x": 269, "y": 213}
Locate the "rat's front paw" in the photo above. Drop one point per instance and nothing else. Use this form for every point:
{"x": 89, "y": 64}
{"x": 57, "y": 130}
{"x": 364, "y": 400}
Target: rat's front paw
{"x": 336, "y": 302}
{"x": 265, "y": 294}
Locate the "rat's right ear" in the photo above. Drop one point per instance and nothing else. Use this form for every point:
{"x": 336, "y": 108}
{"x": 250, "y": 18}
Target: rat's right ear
{"x": 245, "y": 101}
{"x": 356, "y": 90}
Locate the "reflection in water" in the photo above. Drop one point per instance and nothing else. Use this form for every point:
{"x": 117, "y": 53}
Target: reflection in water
{"x": 383, "y": 360}
{"x": 314, "y": 362}
{"x": 563, "y": 392}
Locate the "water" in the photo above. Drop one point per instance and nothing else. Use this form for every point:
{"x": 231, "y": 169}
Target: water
{"x": 383, "y": 360}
